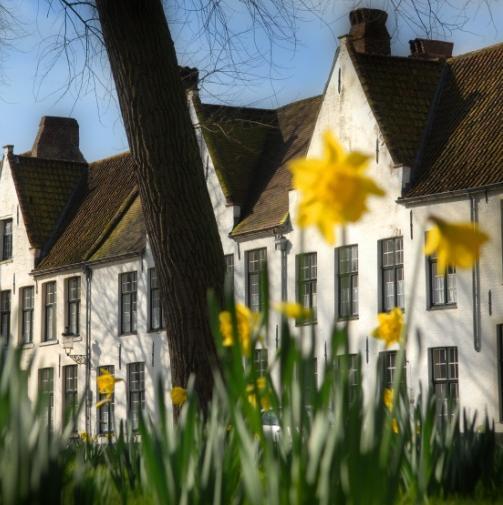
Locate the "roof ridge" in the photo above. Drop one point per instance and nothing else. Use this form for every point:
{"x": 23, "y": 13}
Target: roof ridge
{"x": 36, "y": 159}
{"x": 423, "y": 61}
{"x": 309, "y": 98}
{"x": 113, "y": 156}
{"x": 475, "y": 52}
{"x": 237, "y": 107}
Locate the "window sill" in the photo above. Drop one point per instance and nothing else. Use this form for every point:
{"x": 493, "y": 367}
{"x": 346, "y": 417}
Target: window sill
{"x": 128, "y": 334}
{"x": 9, "y": 260}
{"x": 306, "y": 323}
{"x": 349, "y": 318}
{"x": 47, "y": 343}
{"x": 445, "y": 306}
{"x": 28, "y": 345}
{"x": 159, "y": 330}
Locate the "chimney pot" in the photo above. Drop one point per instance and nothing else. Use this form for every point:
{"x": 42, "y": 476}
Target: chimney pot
{"x": 8, "y": 149}
{"x": 429, "y": 49}
{"x": 368, "y": 32}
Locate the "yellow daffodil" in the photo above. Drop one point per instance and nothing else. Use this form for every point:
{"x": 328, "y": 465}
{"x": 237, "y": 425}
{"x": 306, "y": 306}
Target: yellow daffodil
{"x": 455, "y": 244}
{"x": 333, "y": 189}
{"x": 390, "y": 326}
{"x": 293, "y": 310}
{"x": 106, "y": 386}
{"x": 388, "y": 398}
{"x": 265, "y": 402}
{"x": 85, "y": 437}
{"x": 246, "y": 322}
{"x": 394, "y": 426}
{"x": 178, "y": 396}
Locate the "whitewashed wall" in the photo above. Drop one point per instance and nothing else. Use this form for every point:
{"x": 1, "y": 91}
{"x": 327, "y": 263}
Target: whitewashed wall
{"x": 348, "y": 115}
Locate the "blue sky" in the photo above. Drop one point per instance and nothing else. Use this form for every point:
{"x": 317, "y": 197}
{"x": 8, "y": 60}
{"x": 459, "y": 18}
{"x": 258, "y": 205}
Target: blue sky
{"x": 270, "y": 75}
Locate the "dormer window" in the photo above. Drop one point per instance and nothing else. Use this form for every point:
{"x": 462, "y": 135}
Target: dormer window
{"x": 6, "y": 239}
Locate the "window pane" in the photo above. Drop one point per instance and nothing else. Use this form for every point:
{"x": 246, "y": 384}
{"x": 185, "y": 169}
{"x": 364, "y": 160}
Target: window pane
{"x": 354, "y": 294}
{"x": 136, "y": 386}
{"x": 6, "y": 230}
{"x": 106, "y": 416}
{"x": 27, "y": 315}
{"x": 389, "y": 289}
{"x": 445, "y": 380}
{"x": 255, "y": 264}
{"x": 345, "y": 295}
{"x": 400, "y": 292}
{"x": 306, "y": 280}
{"x": 128, "y": 302}
{"x": 451, "y": 285}
{"x": 70, "y": 392}
{"x": 261, "y": 361}
{"x": 46, "y": 391}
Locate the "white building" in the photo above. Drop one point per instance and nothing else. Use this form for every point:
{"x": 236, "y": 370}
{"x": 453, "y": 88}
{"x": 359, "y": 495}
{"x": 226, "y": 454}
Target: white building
{"x": 74, "y": 252}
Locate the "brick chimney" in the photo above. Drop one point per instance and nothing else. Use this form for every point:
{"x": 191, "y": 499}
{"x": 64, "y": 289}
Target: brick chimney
{"x": 57, "y": 139}
{"x": 368, "y": 32}
{"x": 428, "y": 49}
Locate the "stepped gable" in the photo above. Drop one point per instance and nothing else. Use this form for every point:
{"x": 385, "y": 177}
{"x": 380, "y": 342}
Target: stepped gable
{"x": 400, "y": 91}
{"x": 45, "y": 189}
{"x": 464, "y": 144}
{"x": 109, "y": 194}
{"x": 267, "y": 204}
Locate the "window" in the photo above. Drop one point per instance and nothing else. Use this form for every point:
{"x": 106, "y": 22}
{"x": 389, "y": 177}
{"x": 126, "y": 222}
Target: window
{"x": 255, "y": 265}
{"x": 306, "y": 281}
{"x": 73, "y": 305}
{"x": 261, "y": 361}
{"x": 442, "y": 286}
{"x": 106, "y": 423}
{"x": 49, "y": 294}
{"x": 389, "y": 364}
{"x": 27, "y": 303}
{"x": 128, "y": 302}
{"x": 444, "y": 367}
{"x": 229, "y": 272}
{"x": 70, "y": 395}
{"x": 392, "y": 273}
{"x": 46, "y": 392}
{"x": 136, "y": 389}
{"x": 347, "y": 277}
{"x": 156, "y": 316}
{"x": 5, "y": 316}
{"x": 6, "y": 237}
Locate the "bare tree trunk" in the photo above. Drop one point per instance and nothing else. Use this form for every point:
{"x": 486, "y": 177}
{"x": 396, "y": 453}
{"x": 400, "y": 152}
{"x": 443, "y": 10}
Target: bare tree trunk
{"x": 178, "y": 213}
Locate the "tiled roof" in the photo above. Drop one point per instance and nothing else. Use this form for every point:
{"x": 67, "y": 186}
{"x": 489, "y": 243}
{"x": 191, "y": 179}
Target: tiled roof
{"x": 464, "y": 147}
{"x": 128, "y": 236}
{"x": 235, "y": 138}
{"x": 400, "y": 92}
{"x": 89, "y": 230}
{"x": 44, "y": 188}
{"x": 267, "y": 204}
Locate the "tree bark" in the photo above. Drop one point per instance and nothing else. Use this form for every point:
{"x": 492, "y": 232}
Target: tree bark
{"x": 179, "y": 216}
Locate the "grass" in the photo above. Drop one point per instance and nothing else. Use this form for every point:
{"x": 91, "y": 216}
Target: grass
{"x": 335, "y": 446}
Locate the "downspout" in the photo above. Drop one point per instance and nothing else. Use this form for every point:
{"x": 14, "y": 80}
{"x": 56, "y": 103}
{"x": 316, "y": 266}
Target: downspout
{"x": 89, "y": 275}
{"x": 281, "y": 243}
{"x": 477, "y": 344}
